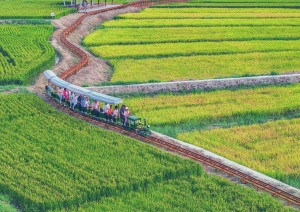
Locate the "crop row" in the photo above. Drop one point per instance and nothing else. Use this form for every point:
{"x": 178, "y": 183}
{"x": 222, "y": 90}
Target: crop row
{"x": 150, "y": 23}
{"x": 33, "y": 9}
{"x": 243, "y": 1}
{"x": 205, "y": 67}
{"x": 127, "y": 36}
{"x": 192, "y": 49}
{"x": 188, "y": 194}
{"x": 49, "y": 160}
{"x": 271, "y": 148}
{"x": 24, "y": 50}
{"x": 214, "y": 10}
{"x": 229, "y": 5}
{"x": 210, "y": 13}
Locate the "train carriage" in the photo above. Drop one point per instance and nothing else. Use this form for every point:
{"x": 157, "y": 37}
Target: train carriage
{"x": 133, "y": 122}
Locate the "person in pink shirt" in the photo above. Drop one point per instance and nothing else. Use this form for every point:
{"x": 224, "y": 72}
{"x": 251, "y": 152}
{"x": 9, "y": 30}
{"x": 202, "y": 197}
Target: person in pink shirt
{"x": 95, "y": 108}
{"x": 65, "y": 96}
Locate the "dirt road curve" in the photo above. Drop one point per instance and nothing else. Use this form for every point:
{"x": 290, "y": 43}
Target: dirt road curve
{"x": 98, "y": 69}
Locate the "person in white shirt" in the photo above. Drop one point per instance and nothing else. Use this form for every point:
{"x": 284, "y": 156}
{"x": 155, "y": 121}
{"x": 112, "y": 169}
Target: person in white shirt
{"x": 95, "y": 108}
{"x": 87, "y": 104}
{"x": 71, "y": 96}
{"x": 115, "y": 114}
{"x": 105, "y": 108}
{"x": 74, "y": 101}
{"x": 126, "y": 114}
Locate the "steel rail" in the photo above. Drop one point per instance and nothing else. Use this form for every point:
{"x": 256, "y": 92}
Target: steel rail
{"x": 245, "y": 178}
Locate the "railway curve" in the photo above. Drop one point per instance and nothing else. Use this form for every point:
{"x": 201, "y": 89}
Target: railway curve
{"x": 84, "y": 61}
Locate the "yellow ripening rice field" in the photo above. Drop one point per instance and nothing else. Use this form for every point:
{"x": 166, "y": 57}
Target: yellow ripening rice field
{"x": 171, "y": 42}
{"x": 166, "y": 109}
{"x": 271, "y": 148}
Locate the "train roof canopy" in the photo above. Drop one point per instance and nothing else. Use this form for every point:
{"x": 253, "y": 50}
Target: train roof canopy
{"x": 59, "y": 82}
{"x": 78, "y": 90}
{"x": 49, "y": 74}
{"x": 105, "y": 98}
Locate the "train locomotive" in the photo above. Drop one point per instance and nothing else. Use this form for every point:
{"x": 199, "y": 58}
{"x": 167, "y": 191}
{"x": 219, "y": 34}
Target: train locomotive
{"x": 134, "y": 123}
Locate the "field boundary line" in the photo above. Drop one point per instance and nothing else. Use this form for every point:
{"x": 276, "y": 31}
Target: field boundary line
{"x": 197, "y": 84}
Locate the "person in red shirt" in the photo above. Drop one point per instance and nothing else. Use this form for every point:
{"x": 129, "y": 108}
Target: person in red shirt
{"x": 109, "y": 113}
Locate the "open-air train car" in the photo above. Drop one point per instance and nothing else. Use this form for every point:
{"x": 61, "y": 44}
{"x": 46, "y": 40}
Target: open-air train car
{"x": 54, "y": 82}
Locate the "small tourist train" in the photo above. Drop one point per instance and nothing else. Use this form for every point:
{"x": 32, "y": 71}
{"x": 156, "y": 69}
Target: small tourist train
{"x": 87, "y": 102}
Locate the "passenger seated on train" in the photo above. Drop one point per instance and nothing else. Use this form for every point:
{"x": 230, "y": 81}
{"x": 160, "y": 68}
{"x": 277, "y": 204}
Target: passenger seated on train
{"x": 65, "y": 96}
{"x": 126, "y": 114}
{"x": 79, "y": 102}
{"x": 105, "y": 109}
{"x": 122, "y": 110}
{"x": 60, "y": 94}
{"x": 73, "y": 102}
{"x": 115, "y": 114}
{"x": 83, "y": 105}
{"x": 95, "y": 108}
{"x": 71, "y": 97}
{"x": 87, "y": 102}
{"x": 109, "y": 113}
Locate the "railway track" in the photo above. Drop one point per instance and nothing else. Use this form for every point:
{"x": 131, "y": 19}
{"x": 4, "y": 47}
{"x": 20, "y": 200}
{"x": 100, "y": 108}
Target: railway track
{"x": 259, "y": 184}
{"x": 290, "y": 198}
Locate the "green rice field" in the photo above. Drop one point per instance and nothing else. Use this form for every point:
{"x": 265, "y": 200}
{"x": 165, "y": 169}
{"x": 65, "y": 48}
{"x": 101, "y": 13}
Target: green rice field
{"x": 25, "y": 50}
{"x": 53, "y": 162}
{"x": 165, "y": 44}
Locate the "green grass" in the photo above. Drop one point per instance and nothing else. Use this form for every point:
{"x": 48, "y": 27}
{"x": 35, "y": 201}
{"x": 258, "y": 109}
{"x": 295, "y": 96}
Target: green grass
{"x": 5, "y": 204}
{"x": 13, "y": 89}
